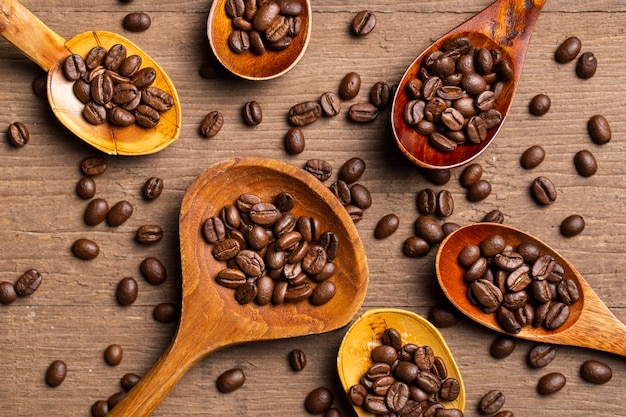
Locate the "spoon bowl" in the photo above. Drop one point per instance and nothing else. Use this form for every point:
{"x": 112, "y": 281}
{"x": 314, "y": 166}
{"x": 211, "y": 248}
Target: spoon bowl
{"x": 505, "y": 25}
{"x": 249, "y": 65}
{"x": 587, "y": 315}
{"x": 354, "y": 357}
{"x": 49, "y": 50}
{"x": 211, "y": 318}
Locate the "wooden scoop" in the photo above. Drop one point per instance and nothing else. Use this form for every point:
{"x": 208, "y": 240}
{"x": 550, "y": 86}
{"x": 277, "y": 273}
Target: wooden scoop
{"x": 590, "y": 324}
{"x": 211, "y": 318}
{"x": 354, "y": 357}
{"x": 49, "y": 50}
{"x": 249, "y": 65}
{"x": 506, "y": 25}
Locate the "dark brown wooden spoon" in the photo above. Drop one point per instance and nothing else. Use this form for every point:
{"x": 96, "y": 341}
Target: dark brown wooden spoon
{"x": 211, "y": 319}
{"x": 590, "y": 324}
{"x": 249, "y": 65}
{"x": 49, "y": 50}
{"x": 506, "y": 25}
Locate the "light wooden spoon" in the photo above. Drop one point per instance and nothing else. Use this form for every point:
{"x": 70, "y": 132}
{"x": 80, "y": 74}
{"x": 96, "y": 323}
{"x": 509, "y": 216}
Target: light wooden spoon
{"x": 247, "y": 65}
{"x": 354, "y": 357}
{"x": 590, "y": 324}
{"x": 506, "y": 25}
{"x": 49, "y": 50}
{"x": 211, "y": 318}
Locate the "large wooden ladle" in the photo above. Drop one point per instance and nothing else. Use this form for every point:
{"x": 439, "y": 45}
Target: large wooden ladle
{"x": 590, "y": 324}
{"x": 211, "y": 318}
{"x": 506, "y": 25}
{"x": 49, "y": 50}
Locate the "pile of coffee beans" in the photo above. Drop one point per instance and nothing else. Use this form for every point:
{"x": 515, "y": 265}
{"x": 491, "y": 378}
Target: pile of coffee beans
{"x": 453, "y": 99}
{"x": 271, "y": 255}
{"x": 520, "y": 285}
{"x": 405, "y": 379}
{"x": 263, "y": 26}
{"x": 114, "y": 87}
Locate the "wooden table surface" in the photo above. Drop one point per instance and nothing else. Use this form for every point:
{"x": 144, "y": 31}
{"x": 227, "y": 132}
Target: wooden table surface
{"x": 73, "y": 316}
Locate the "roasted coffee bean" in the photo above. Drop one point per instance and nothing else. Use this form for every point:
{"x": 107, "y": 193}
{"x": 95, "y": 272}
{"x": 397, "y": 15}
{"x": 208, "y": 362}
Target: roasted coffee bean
{"x": 529, "y": 251}
{"x": 449, "y": 227}
{"x": 27, "y": 283}
{"x": 211, "y": 124}
{"x": 297, "y": 360}
{"x": 363, "y": 23}
{"x": 380, "y": 94}
{"x": 541, "y": 355}
{"x": 93, "y": 166}
{"x": 294, "y": 141}
{"x": 96, "y": 211}
{"x": 442, "y": 143}
{"x": 551, "y": 383}
{"x": 556, "y": 316}
{"x": 330, "y": 104}
{"x": 428, "y": 229}
{"x": 568, "y": 50}
{"x": 252, "y": 113}
{"x": 471, "y": 174}
{"x": 341, "y": 190}
{"x": 543, "y": 191}
{"x": 386, "y": 226}
{"x": 599, "y": 129}
{"x": 468, "y": 255}
{"x": 491, "y": 402}
{"x": 114, "y": 399}
{"x": 443, "y": 316}
{"x": 153, "y": 270}
{"x": 56, "y": 373}
{"x": 492, "y": 245}
{"x": 494, "y": 216}
{"x": 568, "y": 291}
{"x": 152, "y": 188}
{"x": 119, "y": 213}
{"x": 130, "y": 65}
{"x": 479, "y": 191}
{"x": 572, "y": 225}
{"x": 124, "y": 93}
{"x": 85, "y": 249}
{"x": 250, "y": 263}
{"x": 476, "y": 270}
{"x": 363, "y": 112}
{"x": 146, "y": 116}
{"x": 319, "y": 400}
{"x": 427, "y": 201}
{"x": 114, "y": 56}
{"x": 323, "y": 293}
{"x": 596, "y": 372}
{"x": 144, "y": 77}
{"x": 415, "y": 247}
{"x": 361, "y": 196}
{"x": 508, "y": 320}
{"x": 100, "y": 408}
{"x": 445, "y": 203}
{"x": 304, "y": 113}
{"x": 586, "y": 65}
{"x": 127, "y": 291}
{"x": 39, "y": 85}
{"x": 162, "y": 101}
{"x": 95, "y": 57}
{"x": 121, "y": 117}
{"x": 437, "y": 176}
{"x": 532, "y": 157}
{"x": 230, "y": 380}
{"x": 352, "y": 170}
{"x": 539, "y": 104}
{"x": 322, "y": 170}
{"x": 149, "y": 234}
{"x": 113, "y": 354}
{"x": 166, "y": 312}
{"x": 585, "y": 163}
{"x": 129, "y": 380}
{"x": 18, "y": 134}
{"x": 502, "y": 346}
{"x": 487, "y": 294}
{"x": 8, "y": 294}
{"x": 350, "y": 86}
{"x": 137, "y": 22}
{"x": 74, "y": 67}
{"x": 94, "y": 113}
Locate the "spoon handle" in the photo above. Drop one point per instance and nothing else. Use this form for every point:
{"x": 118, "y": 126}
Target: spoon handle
{"x": 514, "y": 20}
{"x": 30, "y": 35}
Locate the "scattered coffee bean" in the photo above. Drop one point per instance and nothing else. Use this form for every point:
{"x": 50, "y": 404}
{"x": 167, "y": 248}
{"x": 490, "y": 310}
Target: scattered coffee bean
{"x": 544, "y": 191}
{"x": 350, "y": 86}
{"x": 572, "y": 225}
{"x": 56, "y": 373}
{"x": 539, "y": 104}
{"x": 113, "y": 355}
{"x": 415, "y": 247}
{"x": 491, "y": 402}
{"x": 494, "y": 216}
{"x": 28, "y": 283}
{"x": 449, "y": 227}
{"x": 86, "y": 188}
{"x": 7, "y": 293}
{"x": 380, "y": 94}
{"x": 212, "y": 124}
{"x": 427, "y": 201}
{"x": 93, "y": 166}
{"x": 586, "y": 65}
{"x": 386, "y": 226}
{"x": 297, "y": 360}
{"x": 551, "y": 383}
{"x": 129, "y": 380}
{"x": 119, "y": 213}
{"x": 319, "y": 400}
{"x": 152, "y": 188}
{"x": 304, "y": 113}
{"x": 361, "y": 196}
{"x": 149, "y": 234}
{"x": 363, "y": 23}
{"x": 137, "y": 22}
{"x": 100, "y": 408}
{"x": 479, "y": 190}
{"x": 153, "y": 271}
{"x": 114, "y": 399}
{"x": 445, "y": 204}
{"x": 541, "y": 355}
{"x": 599, "y": 129}
{"x": 352, "y": 170}
{"x": 18, "y": 134}
{"x": 471, "y": 174}
{"x": 230, "y": 380}
{"x": 428, "y": 229}
{"x": 39, "y": 85}
{"x": 532, "y": 157}
{"x": 320, "y": 169}
{"x": 585, "y": 163}
{"x": 294, "y": 141}
{"x": 127, "y": 291}
{"x": 437, "y": 176}
{"x": 166, "y": 312}
{"x": 568, "y": 50}
{"x": 596, "y": 372}
{"x": 443, "y": 317}
{"x": 252, "y": 113}
{"x": 85, "y": 249}
{"x": 363, "y": 112}
{"x": 502, "y": 346}
{"x": 96, "y": 211}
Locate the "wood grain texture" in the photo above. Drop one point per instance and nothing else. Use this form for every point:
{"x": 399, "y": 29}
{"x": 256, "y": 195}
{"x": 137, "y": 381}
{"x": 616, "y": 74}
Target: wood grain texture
{"x": 73, "y": 316}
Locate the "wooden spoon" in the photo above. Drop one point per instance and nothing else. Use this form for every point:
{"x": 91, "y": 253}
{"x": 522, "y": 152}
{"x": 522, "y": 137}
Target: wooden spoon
{"x": 249, "y": 65}
{"x": 211, "y": 318}
{"x": 49, "y": 50}
{"x": 506, "y": 25}
{"x": 354, "y": 357}
{"x": 590, "y": 324}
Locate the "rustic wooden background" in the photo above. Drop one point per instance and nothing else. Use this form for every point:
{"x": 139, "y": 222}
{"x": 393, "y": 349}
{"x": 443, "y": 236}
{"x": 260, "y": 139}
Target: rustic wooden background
{"x": 74, "y": 316}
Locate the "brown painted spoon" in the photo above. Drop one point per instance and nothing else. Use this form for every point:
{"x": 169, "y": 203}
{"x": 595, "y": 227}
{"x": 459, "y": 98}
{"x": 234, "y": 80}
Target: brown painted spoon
{"x": 506, "y": 25}
{"x": 211, "y": 318}
{"x": 249, "y": 65}
{"x": 590, "y": 324}
{"x": 49, "y": 50}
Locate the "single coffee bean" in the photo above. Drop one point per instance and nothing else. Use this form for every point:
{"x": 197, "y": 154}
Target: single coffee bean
{"x": 297, "y": 360}
{"x": 18, "y": 134}
{"x": 442, "y": 143}
{"x": 471, "y": 174}
{"x": 541, "y": 355}
{"x": 121, "y": 117}
{"x": 386, "y": 226}
{"x": 596, "y": 372}
{"x": 352, "y": 170}
{"x": 322, "y": 170}
{"x": 252, "y": 113}
{"x": 152, "y": 188}
{"x": 166, "y": 312}
{"x": 491, "y": 402}
{"x": 350, "y": 86}
{"x": 211, "y": 124}
{"x": 137, "y": 22}
{"x": 415, "y": 247}
{"x": 532, "y": 157}
{"x": 74, "y": 67}
{"x": 158, "y": 99}
{"x": 543, "y": 191}
{"x": 363, "y": 112}
{"x": 130, "y": 65}
{"x": 437, "y": 176}
{"x": 363, "y": 23}
{"x": 380, "y": 94}
{"x": 556, "y": 316}
{"x": 428, "y": 229}
{"x": 114, "y": 399}
{"x": 119, "y": 213}
{"x": 28, "y": 283}
{"x": 330, "y": 103}
{"x": 153, "y": 271}
{"x": 144, "y": 77}
{"x": 146, "y": 116}
{"x": 284, "y": 202}
{"x": 7, "y": 293}
{"x": 479, "y": 190}
{"x": 304, "y": 113}
{"x": 319, "y": 400}
{"x": 230, "y": 380}
{"x": 149, "y": 234}
{"x": 96, "y": 211}
{"x": 427, "y": 201}
{"x": 361, "y": 196}
{"x": 568, "y": 50}
{"x": 585, "y": 163}
{"x": 494, "y": 216}
{"x": 127, "y": 291}
{"x": 323, "y": 293}
{"x": 114, "y": 57}
{"x": 449, "y": 227}
{"x": 599, "y": 129}
{"x": 443, "y": 316}
{"x": 502, "y": 346}
{"x": 86, "y": 187}
{"x": 572, "y": 225}
{"x": 445, "y": 204}
{"x": 539, "y": 104}
{"x": 93, "y": 165}
{"x": 113, "y": 354}
{"x": 129, "y": 380}
{"x": 94, "y": 113}
{"x": 294, "y": 141}
{"x": 551, "y": 383}
{"x": 56, "y": 373}
{"x": 587, "y": 65}
{"x": 85, "y": 249}
{"x": 529, "y": 251}
{"x": 39, "y": 85}
{"x": 100, "y": 408}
